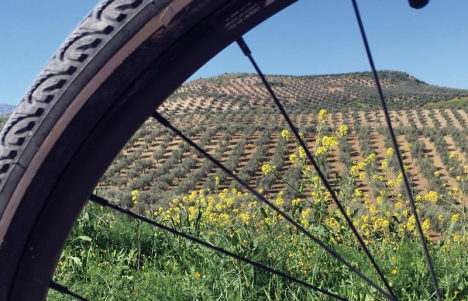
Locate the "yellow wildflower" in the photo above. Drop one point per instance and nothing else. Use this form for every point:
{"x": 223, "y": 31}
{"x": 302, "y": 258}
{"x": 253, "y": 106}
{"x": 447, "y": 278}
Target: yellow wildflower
{"x": 323, "y": 115}
{"x": 134, "y": 196}
{"x": 384, "y": 164}
{"x": 431, "y": 197}
{"x": 440, "y": 218}
{"x": 302, "y": 153}
{"x": 358, "y": 193}
{"x": 342, "y": 131}
{"x": 296, "y": 202}
{"x": 305, "y": 213}
{"x": 426, "y": 225}
{"x": 279, "y": 201}
{"x": 389, "y": 152}
{"x": 267, "y": 168}
{"x": 286, "y": 134}
{"x": 370, "y": 159}
{"x": 328, "y": 141}
{"x": 320, "y": 151}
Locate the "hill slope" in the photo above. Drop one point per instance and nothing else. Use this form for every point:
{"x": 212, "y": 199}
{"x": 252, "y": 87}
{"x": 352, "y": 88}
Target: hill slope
{"x": 352, "y": 90}
{"x": 230, "y": 116}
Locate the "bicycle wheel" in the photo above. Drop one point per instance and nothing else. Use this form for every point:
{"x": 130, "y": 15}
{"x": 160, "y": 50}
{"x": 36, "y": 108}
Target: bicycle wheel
{"x": 116, "y": 68}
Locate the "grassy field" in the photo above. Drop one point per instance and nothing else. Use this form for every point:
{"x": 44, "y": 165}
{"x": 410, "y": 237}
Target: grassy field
{"x": 112, "y": 257}
{"x": 452, "y": 103}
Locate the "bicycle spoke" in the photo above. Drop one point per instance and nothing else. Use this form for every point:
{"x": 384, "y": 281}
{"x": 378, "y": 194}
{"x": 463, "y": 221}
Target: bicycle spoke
{"x": 395, "y": 145}
{"x": 105, "y": 203}
{"x": 64, "y": 290}
{"x": 167, "y": 124}
{"x": 245, "y": 49}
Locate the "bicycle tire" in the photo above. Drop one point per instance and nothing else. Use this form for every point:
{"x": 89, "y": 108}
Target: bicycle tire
{"x": 115, "y": 69}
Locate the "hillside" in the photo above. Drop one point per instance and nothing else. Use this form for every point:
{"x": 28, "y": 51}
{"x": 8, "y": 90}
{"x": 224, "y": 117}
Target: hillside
{"x": 231, "y": 115}
{"x": 6, "y": 108}
{"x": 244, "y": 133}
{"x": 351, "y": 90}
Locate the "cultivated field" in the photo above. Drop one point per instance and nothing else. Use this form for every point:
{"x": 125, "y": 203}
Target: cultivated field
{"x": 245, "y": 134}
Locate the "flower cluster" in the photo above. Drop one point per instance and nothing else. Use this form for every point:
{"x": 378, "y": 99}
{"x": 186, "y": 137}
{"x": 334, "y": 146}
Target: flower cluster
{"x": 342, "y": 131}
{"x": 323, "y": 116}
{"x": 267, "y": 168}
{"x": 205, "y": 209}
{"x": 286, "y": 134}
{"x": 135, "y": 197}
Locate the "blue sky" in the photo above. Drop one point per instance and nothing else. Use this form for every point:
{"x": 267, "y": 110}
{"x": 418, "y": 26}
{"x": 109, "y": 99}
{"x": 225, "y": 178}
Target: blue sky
{"x": 310, "y": 37}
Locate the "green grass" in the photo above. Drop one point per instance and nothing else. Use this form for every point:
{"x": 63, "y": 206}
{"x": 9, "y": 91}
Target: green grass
{"x": 102, "y": 262}
{"x": 452, "y": 103}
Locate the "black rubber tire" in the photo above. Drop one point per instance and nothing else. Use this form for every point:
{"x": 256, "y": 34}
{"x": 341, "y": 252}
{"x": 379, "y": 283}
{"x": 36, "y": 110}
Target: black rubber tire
{"x": 117, "y": 67}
